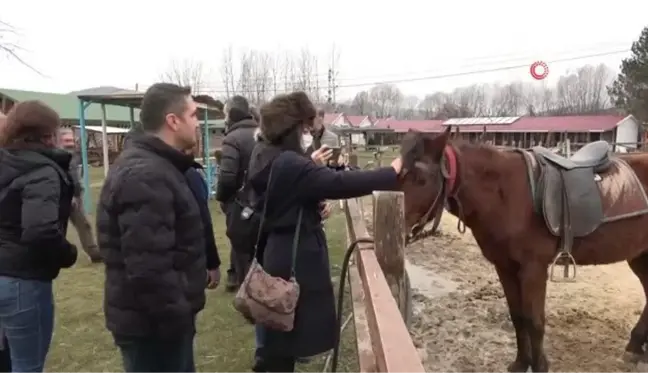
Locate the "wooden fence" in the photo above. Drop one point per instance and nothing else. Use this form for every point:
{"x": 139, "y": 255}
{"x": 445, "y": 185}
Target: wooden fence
{"x": 380, "y": 290}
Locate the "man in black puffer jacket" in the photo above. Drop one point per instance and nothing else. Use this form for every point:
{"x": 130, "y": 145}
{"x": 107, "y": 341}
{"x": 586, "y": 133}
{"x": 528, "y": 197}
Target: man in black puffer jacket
{"x": 237, "y": 148}
{"x": 152, "y": 240}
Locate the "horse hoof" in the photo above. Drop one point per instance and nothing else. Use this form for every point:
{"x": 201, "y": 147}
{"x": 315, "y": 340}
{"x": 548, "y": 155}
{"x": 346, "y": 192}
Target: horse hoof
{"x": 631, "y": 357}
{"x": 641, "y": 367}
{"x": 518, "y": 366}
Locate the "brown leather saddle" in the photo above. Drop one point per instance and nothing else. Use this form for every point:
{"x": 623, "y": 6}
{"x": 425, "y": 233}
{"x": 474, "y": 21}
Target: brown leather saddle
{"x": 566, "y": 192}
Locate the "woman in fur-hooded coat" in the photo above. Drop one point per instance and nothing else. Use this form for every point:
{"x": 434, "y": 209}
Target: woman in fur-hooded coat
{"x": 296, "y": 183}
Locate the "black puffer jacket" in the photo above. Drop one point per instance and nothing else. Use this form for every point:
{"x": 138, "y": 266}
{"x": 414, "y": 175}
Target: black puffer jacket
{"x": 35, "y": 199}
{"x": 150, "y": 234}
{"x": 237, "y": 149}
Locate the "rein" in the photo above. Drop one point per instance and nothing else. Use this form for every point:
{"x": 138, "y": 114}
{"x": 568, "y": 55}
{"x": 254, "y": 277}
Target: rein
{"x": 448, "y": 190}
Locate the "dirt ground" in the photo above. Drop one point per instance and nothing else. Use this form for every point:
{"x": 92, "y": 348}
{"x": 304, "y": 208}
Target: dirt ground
{"x": 462, "y": 324}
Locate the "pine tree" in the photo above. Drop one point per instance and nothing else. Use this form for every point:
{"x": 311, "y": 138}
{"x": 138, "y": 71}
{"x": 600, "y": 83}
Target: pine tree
{"x": 629, "y": 91}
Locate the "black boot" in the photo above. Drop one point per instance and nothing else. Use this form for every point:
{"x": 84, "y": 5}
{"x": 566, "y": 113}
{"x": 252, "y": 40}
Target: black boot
{"x": 259, "y": 363}
{"x": 232, "y": 283}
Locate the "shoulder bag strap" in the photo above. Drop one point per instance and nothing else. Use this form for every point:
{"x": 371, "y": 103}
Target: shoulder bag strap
{"x": 263, "y": 212}
{"x": 296, "y": 243}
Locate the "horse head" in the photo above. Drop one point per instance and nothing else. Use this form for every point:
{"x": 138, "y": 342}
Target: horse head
{"x": 424, "y": 177}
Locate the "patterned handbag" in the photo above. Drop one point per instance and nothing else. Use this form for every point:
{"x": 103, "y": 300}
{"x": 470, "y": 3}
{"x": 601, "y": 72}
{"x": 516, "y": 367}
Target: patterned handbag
{"x": 265, "y": 299}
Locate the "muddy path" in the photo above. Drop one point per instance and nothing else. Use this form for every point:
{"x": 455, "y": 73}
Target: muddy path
{"x": 461, "y": 320}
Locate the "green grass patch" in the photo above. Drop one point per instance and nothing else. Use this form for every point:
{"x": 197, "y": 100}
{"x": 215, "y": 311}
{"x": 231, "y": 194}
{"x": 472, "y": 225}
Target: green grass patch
{"x": 225, "y": 341}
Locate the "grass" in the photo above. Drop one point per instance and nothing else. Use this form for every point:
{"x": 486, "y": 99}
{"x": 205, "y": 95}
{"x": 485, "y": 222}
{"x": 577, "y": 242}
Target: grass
{"x": 225, "y": 342}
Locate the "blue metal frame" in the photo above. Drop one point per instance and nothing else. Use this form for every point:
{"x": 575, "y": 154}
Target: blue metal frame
{"x": 87, "y": 199}
{"x": 206, "y": 157}
{"x": 87, "y": 196}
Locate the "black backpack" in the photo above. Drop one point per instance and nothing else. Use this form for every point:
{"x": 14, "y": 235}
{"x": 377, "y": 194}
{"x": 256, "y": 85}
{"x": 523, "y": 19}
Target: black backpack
{"x": 244, "y": 217}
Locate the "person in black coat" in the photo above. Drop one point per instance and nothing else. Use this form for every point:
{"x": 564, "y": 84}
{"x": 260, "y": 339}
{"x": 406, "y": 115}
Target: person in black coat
{"x": 152, "y": 239}
{"x": 198, "y": 187}
{"x": 235, "y": 158}
{"x": 36, "y": 193}
{"x": 299, "y": 183}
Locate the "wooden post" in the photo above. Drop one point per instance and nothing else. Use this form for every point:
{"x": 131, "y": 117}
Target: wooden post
{"x": 353, "y": 159}
{"x": 389, "y": 238}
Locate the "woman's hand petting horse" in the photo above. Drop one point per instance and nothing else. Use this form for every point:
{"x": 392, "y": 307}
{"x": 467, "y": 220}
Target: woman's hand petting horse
{"x": 322, "y": 155}
{"x": 397, "y": 165}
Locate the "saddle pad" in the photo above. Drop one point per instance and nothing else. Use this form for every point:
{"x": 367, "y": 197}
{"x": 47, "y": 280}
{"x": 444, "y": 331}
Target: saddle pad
{"x": 622, "y": 194}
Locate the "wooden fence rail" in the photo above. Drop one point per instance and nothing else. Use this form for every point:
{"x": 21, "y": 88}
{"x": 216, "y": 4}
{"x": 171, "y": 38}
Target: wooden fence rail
{"x": 379, "y": 287}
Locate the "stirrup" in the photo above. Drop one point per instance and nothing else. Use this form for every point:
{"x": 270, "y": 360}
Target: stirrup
{"x": 571, "y": 262}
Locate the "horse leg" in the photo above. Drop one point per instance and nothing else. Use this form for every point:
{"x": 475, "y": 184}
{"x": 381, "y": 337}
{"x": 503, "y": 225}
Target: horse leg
{"x": 508, "y": 277}
{"x": 533, "y": 282}
{"x": 639, "y": 334}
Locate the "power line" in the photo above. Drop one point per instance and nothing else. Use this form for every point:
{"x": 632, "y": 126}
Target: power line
{"x": 496, "y": 69}
{"x": 396, "y": 76}
{"x": 221, "y": 89}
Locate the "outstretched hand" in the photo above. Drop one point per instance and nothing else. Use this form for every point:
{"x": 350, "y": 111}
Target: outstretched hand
{"x": 322, "y": 155}
{"x": 397, "y": 165}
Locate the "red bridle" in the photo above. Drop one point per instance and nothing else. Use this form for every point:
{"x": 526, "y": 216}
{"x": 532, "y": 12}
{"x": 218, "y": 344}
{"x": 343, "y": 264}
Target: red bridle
{"x": 448, "y": 189}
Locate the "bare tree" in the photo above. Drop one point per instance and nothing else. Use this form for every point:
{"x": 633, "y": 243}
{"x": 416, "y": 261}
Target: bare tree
{"x": 508, "y": 100}
{"x": 275, "y": 72}
{"x": 432, "y": 104}
{"x": 10, "y": 46}
{"x": 468, "y": 101}
{"x": 361, "y": 104}
{"x": 385, "y": 99}
{"x": 307, "y": 74}
{"x": 227, "y": 72}
{"x": 409, "y": 107}
{"x": 584, "y": 91}
{"x": 186, "y": 73}
{"x": 261, "y": 76}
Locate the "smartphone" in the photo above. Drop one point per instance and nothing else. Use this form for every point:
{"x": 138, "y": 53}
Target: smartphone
{"x": 333, "y": 161}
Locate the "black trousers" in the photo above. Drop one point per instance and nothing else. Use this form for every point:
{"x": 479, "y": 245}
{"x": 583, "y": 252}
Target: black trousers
{"x": 274, "y": 364}
{"x": 148, "y": 354}
{"x": 5, "y": 358}
{"x": 241, "y": 262}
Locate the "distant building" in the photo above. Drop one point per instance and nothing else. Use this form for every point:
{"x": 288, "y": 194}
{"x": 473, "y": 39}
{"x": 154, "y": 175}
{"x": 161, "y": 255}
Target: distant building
{"x": 524, "y": 131}
{"x": 67, "y": 106}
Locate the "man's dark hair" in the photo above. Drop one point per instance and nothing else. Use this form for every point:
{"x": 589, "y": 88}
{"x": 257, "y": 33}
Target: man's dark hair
{"x": 238, "y": 108}
{"x": 321, "y": 113}
{"x": 159, "y": 100}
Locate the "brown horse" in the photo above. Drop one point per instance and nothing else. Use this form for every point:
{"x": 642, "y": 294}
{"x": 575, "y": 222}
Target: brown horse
{"x": 508, "y": 200}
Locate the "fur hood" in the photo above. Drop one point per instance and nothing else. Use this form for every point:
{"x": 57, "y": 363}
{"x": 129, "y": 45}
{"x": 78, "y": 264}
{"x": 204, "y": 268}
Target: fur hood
{"x": 284, "y": 112}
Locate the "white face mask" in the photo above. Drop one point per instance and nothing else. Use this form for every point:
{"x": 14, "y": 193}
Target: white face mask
{"x": 306, "y": 141}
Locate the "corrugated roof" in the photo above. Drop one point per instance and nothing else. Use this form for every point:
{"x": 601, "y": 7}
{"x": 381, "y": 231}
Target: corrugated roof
{"x": 355, "y": 120}
{"x": 329, "y": 118}
{"x": 405, "y": 125}
{"x": 101, "y": 90}
{"x": 109, "y": 129}
{"x": 67, "y": 106}
{"x": 572, "y": 123}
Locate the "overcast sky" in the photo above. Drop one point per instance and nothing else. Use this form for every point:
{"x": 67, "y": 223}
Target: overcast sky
{"x": 81, "y": 44}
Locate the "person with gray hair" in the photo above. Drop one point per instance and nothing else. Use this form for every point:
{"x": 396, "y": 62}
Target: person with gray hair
{"x": 321, "y": 135}
{"x": 237, "y": 148}
{"x": 78, "y": 217}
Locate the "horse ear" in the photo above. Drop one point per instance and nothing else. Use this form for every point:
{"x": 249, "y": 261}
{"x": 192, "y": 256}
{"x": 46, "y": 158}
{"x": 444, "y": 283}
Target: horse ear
{"x": 435, "y": 146}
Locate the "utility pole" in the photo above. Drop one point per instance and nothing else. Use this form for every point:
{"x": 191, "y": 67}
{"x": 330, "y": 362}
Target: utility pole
{"x": 333, "y": 73}
{"x": 329, "y": 95}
